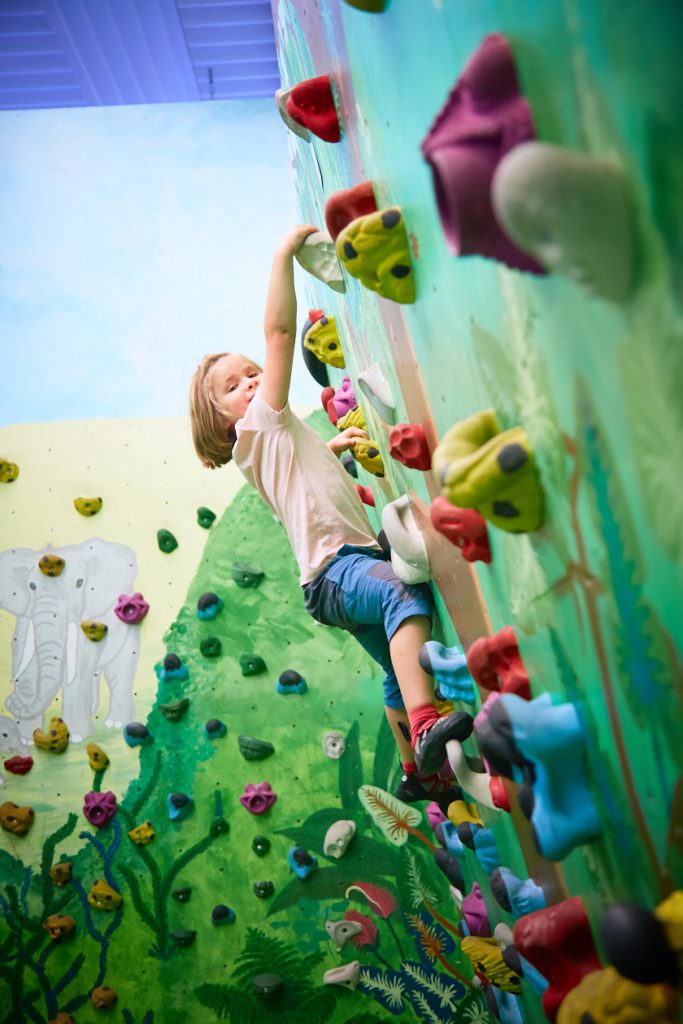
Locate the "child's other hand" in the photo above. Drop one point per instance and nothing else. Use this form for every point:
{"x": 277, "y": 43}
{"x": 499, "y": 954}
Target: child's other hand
{"x": 342, "y": 442}
{"x": 295, "y": 238}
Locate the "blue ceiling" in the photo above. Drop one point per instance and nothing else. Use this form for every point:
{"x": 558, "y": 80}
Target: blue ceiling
{"x": 77, "y": 53}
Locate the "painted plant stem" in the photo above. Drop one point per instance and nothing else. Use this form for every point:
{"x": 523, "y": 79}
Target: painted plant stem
{"x": 663, "y": 880}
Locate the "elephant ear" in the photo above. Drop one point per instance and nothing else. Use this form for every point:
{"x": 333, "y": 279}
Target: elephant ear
{"x": 15, "y": 565}
{"x": 109, "y": 570}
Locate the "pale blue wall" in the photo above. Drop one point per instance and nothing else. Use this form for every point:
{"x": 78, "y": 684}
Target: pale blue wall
{"x": 134, "y": 240}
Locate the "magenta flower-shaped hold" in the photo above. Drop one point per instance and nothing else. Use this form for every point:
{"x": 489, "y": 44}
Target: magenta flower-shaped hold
{"x": 434, "y": 814}
{"x": 258, "y": 798}
{"x": 100, "y": 808}
{"x": 473, "y": 909}
{"x": 344, "y": 398}
{"x": 131, "y": 610}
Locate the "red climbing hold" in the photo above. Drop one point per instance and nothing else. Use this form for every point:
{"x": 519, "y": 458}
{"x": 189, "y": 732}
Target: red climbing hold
{"x": 315, "y": 314}
{"x": 326, "y": 396}
{"x": 499, "y": 793}
{"x": 408, "y": 445}
{"x": 366, "y": 495}
{"x": 496, "y": 664}
{"x": 463, "y": 527}
{"x": 345, "y": 206}
{"x": 558, "y": 942}
{"x": 18, "y": 765}
{"x": 311, "y": 104}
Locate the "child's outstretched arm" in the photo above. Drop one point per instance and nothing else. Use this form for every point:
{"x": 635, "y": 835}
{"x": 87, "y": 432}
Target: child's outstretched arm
{"x": 279, "y": 323}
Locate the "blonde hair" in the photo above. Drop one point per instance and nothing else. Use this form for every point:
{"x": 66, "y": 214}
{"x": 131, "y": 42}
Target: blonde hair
{"x": 213, "y": 441}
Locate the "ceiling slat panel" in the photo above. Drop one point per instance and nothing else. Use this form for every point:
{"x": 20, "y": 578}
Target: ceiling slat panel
{"x": 224, "y": 15}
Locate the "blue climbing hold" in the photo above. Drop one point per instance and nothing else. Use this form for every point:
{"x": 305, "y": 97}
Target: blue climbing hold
{"x": 137, "y": 735}
{"x": 517, "y": 896}
{"x": 301, "y": 862}
{"x": 483, "y": 842}
{"x": 448, "y": 665}
{"x": 171, "y": 669}
{"x": 179, "y": 805}
{"x": 451, "y": 839}
{"x": 222, "y": 915}
{"x": 215, "y": 729}
{"x": 291, "y": 682}
{"x": 208, "y": 607}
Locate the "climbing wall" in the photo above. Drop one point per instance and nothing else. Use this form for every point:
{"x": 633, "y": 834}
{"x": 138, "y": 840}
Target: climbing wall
{"x": 283, "y": 881}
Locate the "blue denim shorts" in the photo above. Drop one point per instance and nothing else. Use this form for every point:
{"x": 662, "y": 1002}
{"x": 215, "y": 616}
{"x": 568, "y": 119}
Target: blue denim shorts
{"x": 360, "y": 592}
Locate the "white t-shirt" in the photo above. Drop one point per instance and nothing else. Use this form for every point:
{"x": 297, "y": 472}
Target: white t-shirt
{"x": 304, "y": 484}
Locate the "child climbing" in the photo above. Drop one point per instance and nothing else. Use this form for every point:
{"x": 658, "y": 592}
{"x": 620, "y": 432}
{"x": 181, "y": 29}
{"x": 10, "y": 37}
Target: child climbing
{"x": 240, "y": 412}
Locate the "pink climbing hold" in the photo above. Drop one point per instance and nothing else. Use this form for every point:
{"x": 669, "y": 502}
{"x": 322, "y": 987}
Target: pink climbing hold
{"x": 131, "y": 609}
{"x": 344, "y": 398}
{"x": 473, "y": 909}
{"x": 258, "y": 798}
{"x": 484, "y": 117}
{"x": 99, "y": 808}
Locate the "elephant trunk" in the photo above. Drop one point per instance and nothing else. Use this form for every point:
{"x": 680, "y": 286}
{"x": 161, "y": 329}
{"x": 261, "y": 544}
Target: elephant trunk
{"x": 50, "y": 625}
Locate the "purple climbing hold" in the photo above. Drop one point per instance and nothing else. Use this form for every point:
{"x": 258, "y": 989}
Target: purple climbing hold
{"x": 258, "y": 798}
{"x": 473, "y": 910}
{"x": 100, "y": 808}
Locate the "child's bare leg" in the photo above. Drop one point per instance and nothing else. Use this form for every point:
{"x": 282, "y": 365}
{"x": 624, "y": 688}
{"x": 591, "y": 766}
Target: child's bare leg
{"x": 417, "y": 688}
{"x": 396, "y": 717}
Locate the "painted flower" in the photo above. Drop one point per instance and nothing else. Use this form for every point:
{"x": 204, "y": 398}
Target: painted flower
{"x": 381, "y": 901}
{"x": 368, "y": 935}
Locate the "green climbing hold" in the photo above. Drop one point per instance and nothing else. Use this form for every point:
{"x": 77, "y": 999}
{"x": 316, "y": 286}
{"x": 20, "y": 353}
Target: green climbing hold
{"x": 252, "y": 749}
{"x": 166, "y": 541}
{"x": 219, "y": 826}
{"x": 205, "y": 517}
{"x": 210, "y": 647}
{"x": 183, "y": 936}
{"x": 372, "y": 6}
{"x": 246, "y": 577}
{"x": 182, "y": 893}
{"x": 260, "y": 845}
{"x": 176, "y": 710}
{"x": 252, "y": 664}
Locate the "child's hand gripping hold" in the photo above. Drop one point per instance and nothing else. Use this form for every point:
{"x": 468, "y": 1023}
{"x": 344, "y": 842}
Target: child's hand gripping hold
{"x": 345, "y": 440}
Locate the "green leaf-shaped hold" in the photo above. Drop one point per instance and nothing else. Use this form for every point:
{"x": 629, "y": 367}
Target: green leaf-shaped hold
{"x": 252, "y": 749}
{"x": 252, "y": 664}
{"x": 393, "y": 816}
{"x": 246, "y": 577}
{"x": 166, "y": 541}
{"x": 176, "y": 710}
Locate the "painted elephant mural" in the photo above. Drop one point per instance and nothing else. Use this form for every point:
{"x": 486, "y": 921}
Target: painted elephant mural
{"x": 50, "y": 650}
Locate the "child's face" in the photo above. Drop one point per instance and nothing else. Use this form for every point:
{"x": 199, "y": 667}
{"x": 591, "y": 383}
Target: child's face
{"x": 233, "y": 380}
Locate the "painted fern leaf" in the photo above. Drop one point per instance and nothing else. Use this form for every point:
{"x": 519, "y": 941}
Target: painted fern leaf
{"x": 652, "y": 374}
{"x": 387, "y": 987}
{"x": 420, "y": 892}
{"x": 435, "y": 984}
{"x": 427, "y": 1015}
{"x": 392, "y": 816}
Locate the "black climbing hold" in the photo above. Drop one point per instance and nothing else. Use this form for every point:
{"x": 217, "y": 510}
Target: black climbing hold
{"x": 505, "y": 509}
{"x": 210, "y": 646}
{"x": 316, "y": 368}
{"x": 252, "y": 749}
{"x": 491, "y": 1001}
{"x": 172, "y": 663}
{"x": 400, "y": 270}
{"x": 179, "y": 799}
{"x": 246, "y": 577}
{"x": 166, "y": 541}
{"x": 512, "y": 959}
{"x": 390, "y": 218}
{"x": 290, "y": 678}
{"x": 205, "y": 517}
{"x": 182, "y": 893}
{"x": 260, "y": 845}
{"x": 207, "y": 601}
{"x": 183, "y": 936}
{"x": 636, "y": 944}
{"x": 499, "y": 890}
{"x": 267, "y": 986}
{"x": 447, "y": 863}
{"x": 496, "y": 742}
{"x": 302, "y": 857}
{"x": 252, "y": 664}
{"x": 525, "y": 797}
{"x": 439, "y": 836}
{"x": 373, "y": 453}
{"x": 137, "y": 730}
{"x": 214, "y": 727}
{"x": 263, "y": 889}
{"x": 176, "y": 710}
{"x": 222, "y": 914}
{"x": 331, "y": 346}
{"x": 512, "y": 457}
{"x": 349, "y": 463}
{"x": 466, "y": 833}
{"x": 349, "y": 251}
{"x": 323, "y": 320}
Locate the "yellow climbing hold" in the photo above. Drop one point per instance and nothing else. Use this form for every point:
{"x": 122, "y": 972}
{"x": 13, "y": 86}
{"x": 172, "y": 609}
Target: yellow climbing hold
{"x": 143, "y": 834}
{"x": 51, "y": 565}
{"x": 55, "y": 739}
{"x": 94, "y": 631}
{"x": 9, "y": 471}
{"x": 605, "y": 997}
{"x": 459, "y": 811}
{"x": 103, "y": 897}
{"x": 354, "y": 418}
{"x": 486, "y": 957}
{"x": 88, "y": 506}
{"x": 367, "y": 453}
{"x": 375, "y": 249}
{"x": 97, "y": 757}
{"x": 479, "y": 466}
{"x": 322, "y": 339}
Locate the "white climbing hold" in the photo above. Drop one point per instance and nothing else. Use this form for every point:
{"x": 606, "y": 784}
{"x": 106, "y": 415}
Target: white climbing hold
{"x": 408, "y": 549}
{"x": 318, "y": 256}
{"x": 341, "y": 931}
{"x": 476, "y": 783}
{"x": 347, "y": 975}
{"x": 338, "y": 837}
{"x": 375, "y": 387}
